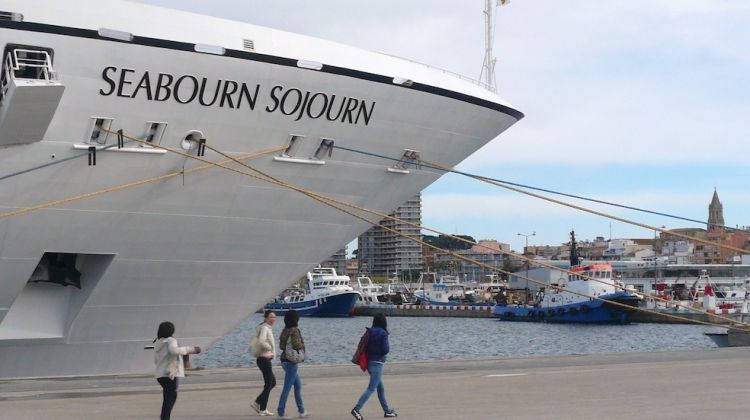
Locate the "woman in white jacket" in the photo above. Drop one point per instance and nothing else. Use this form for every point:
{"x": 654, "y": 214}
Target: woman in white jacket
{"x": 265, "y": 351}
{"x": 169, "y": 366}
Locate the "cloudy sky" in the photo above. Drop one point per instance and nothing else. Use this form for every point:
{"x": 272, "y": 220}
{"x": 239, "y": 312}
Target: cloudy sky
{"x": 642, "y": 102}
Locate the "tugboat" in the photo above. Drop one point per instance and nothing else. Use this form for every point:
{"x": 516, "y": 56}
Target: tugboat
{"x": 325, "y": 293}
{"x": 569, "y": 301}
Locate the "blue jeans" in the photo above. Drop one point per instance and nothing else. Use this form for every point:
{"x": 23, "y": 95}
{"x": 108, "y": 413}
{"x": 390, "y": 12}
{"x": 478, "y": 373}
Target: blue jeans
{"x": 376, "y": 382}
{"x": 291, "y": 378}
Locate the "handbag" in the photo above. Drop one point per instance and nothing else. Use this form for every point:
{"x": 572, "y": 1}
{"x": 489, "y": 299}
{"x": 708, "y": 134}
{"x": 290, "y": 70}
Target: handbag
{"x": 360, "y": 355}
{"x": 292, "y": 355}
{"x": 254, "y": 347}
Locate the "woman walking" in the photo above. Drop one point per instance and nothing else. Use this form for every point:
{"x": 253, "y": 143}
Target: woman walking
{"x": 169, "y": 365}
{"x": 265, "y": 352}
{"x": 291, "y": 336}
{"x": 377, "y": 347}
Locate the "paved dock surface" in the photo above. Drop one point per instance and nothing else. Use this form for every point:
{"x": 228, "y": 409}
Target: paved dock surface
{"x": 699, "y": 384}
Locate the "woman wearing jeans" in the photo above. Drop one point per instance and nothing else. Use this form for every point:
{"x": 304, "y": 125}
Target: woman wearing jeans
{"x": 377, "y": 348}
{"x": 291, "y": 377}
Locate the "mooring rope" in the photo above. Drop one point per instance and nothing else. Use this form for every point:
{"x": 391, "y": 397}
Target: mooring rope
{"x": 330, "y": 202}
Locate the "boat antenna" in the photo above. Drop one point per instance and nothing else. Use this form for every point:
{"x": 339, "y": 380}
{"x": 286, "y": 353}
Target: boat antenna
{"x": 573, "y": 249}
{"x": 487, "y": 75}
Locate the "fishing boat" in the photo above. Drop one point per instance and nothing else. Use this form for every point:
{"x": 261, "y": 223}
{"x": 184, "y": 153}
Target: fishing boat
{"x": 113, "y": 213}
{"x": 370, "y": 293}
{"x": 323, "y": 294}
{"x": 579, "y": 300}
{"x": 396, "y": 293}
{"x": 447, "y": 291}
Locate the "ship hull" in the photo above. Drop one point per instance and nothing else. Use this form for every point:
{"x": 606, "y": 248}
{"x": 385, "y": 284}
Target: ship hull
{"x": 205, "y": 249}
{"x": 338, "y": 305}
{"x": 590, "y": 312}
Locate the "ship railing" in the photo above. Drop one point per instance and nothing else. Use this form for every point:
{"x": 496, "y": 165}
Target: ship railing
{"x": 21, "y": 63}
{"x": 479, "y": 83}
{"x": 32, "y": 64}
{"x": 7, "y": 75}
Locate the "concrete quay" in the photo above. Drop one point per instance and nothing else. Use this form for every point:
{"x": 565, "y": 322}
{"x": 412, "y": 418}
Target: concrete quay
{"x": 696, "y": 384}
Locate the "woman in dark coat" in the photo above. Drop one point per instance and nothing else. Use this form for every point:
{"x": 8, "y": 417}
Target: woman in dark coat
{"x": 377, "y": 347}
{"x": 291, "y": 335}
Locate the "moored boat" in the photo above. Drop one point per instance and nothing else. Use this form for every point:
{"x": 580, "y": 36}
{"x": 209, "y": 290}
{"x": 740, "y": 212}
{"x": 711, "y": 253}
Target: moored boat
{"x": 577, "y": 300}
{"x": 85, "y": 282}
{"x": 324, "y": 293}
{"x": 369, "y": 292}
{"x": 448, "y": 290}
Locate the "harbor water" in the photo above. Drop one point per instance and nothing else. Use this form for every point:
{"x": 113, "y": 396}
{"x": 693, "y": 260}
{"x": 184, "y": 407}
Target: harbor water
{"x": 333, "y": 340}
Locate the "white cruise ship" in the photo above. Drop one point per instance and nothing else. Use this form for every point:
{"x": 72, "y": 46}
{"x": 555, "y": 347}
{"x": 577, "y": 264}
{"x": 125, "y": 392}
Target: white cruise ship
{"x": 84, "y": 284}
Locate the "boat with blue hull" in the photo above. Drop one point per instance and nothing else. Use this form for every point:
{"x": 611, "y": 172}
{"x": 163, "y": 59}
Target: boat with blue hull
{"x": 590, "y": 312}
{"x": 589, "y": 296}
{"x": 325, "y": 294}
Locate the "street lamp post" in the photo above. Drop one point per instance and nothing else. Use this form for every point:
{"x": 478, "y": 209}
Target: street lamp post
{"x": 527, "y": 263}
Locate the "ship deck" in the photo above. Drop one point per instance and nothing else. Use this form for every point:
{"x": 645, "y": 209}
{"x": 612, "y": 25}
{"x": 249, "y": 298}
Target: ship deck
{"x": 695, "y": 384}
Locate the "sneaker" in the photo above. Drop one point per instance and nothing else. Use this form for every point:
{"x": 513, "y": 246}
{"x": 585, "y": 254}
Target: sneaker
{"x": 356, "y": 414}
{"x": 304, "y": 415}
{"x": 390, "y": 413}
{"x": 265, "y": 413}
{"x": 256, "y": 407}
{"x": 283, "y": 417}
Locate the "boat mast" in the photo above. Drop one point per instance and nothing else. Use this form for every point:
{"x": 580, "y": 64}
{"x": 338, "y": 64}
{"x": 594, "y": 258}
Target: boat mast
{"x": 487, "y": 75}
{"x": 573, "y": 249}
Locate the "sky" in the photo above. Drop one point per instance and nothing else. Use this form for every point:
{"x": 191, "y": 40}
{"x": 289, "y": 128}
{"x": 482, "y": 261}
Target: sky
{"x": 641, "y": 102}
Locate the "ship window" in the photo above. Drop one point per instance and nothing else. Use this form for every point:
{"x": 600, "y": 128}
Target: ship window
{"x": 154, "y": 132}
{"x": 292, "y": 146}
{"x": 99, "y": 130}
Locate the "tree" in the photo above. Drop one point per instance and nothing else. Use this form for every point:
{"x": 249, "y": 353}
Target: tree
{"x": 446, "y": 242}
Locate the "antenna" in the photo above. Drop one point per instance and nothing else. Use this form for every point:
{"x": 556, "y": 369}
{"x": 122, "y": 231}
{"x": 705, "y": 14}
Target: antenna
{"x": 487, "y": 75}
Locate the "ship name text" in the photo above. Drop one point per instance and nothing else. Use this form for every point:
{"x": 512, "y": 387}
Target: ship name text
{"x": 186, "y": 89}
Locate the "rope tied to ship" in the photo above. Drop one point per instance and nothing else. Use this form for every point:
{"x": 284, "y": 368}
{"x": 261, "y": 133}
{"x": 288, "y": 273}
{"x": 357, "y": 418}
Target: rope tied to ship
{"x": 335, "y": 204}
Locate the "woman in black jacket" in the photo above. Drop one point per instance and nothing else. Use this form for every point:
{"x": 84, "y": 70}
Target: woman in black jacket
{"x": 291, "y": 336}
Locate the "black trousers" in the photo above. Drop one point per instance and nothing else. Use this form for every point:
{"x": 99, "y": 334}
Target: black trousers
{"x": 269, "y": 381}
{"x": 169, "y": 391}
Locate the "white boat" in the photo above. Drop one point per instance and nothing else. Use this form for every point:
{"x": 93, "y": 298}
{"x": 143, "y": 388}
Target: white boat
{"x": 370, "y": 293}
{"x": 447, "y": 291}
{"x": 730, "y": 298}
{"x": 204, "y": 248}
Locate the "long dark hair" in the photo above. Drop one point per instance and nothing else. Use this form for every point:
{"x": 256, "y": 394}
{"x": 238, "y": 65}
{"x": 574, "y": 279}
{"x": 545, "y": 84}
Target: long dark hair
{"x": 291, "y": 319}
{"x": 166, "y": 330}
{"x": 379, "y": 321}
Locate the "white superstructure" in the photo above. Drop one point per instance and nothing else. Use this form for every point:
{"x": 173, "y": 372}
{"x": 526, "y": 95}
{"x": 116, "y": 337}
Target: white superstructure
{"x": 84, "y": 284}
